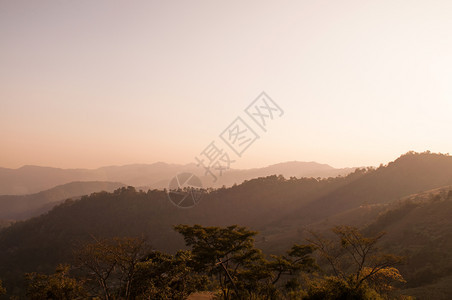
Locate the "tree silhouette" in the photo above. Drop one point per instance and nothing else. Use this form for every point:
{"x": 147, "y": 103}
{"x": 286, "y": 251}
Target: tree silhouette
{"x": 112, "y": 264}
{"x": 356, "y": 259}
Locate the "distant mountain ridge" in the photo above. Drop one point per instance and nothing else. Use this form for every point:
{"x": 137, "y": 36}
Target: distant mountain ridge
{"x": 17, "y": 207}
{"x": 33, "y": 179}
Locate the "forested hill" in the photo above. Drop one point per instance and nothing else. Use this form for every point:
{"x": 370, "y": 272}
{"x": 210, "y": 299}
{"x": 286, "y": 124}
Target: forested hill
{"x": 17, "y": 207}
{"x": 272, "y": 205}
{"x": 409, "y": 174}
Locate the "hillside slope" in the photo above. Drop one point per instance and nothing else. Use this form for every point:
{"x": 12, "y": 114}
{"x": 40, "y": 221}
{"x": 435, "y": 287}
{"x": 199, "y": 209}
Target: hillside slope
{"x": 19, "y": 207}
{"x": 409, "y": 174}
{"x": 420, "y": 228}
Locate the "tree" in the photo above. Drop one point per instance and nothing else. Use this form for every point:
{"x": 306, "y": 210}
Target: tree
{"x": 299, "y": 258}
{"x": 221, "y": 252}
{"x": 163, "y": 276}
{"x": 112, "y": 264}
{"x": 228, "y": 255}
{"x": 355, "y": 260}
{"x": 58, "y": 286}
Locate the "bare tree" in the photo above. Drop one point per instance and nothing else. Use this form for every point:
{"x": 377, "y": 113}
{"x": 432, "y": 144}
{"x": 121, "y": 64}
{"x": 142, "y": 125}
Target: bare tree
{"x": 354, "y": 257}
{"x": 111, "y": 263}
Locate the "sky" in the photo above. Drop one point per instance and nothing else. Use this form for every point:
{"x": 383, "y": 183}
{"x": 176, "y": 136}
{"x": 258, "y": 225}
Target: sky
{"x": 85, "y": 84}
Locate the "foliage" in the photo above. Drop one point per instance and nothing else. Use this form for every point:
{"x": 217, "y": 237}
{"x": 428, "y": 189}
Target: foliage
{"x": 112, "y": 264}
{"x": 334, "y": 288}
{"x": 384, "y": 281}
{"x": 56, "y": 286}
{"x": 223, "y": 258}
{"x": 356, "y": 263}
{"x": 163, "y": 276}
{"x": 228, "y": 255}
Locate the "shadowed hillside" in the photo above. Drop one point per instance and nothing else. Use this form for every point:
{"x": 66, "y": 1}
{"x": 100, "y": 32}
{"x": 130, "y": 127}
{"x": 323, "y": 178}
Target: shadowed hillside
{"x": 14, "y": 207}
{"x": 411, "y": 173}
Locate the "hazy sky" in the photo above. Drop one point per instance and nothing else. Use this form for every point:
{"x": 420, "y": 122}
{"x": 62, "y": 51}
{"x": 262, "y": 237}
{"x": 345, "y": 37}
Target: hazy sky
{"x": 93, "y": 83}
